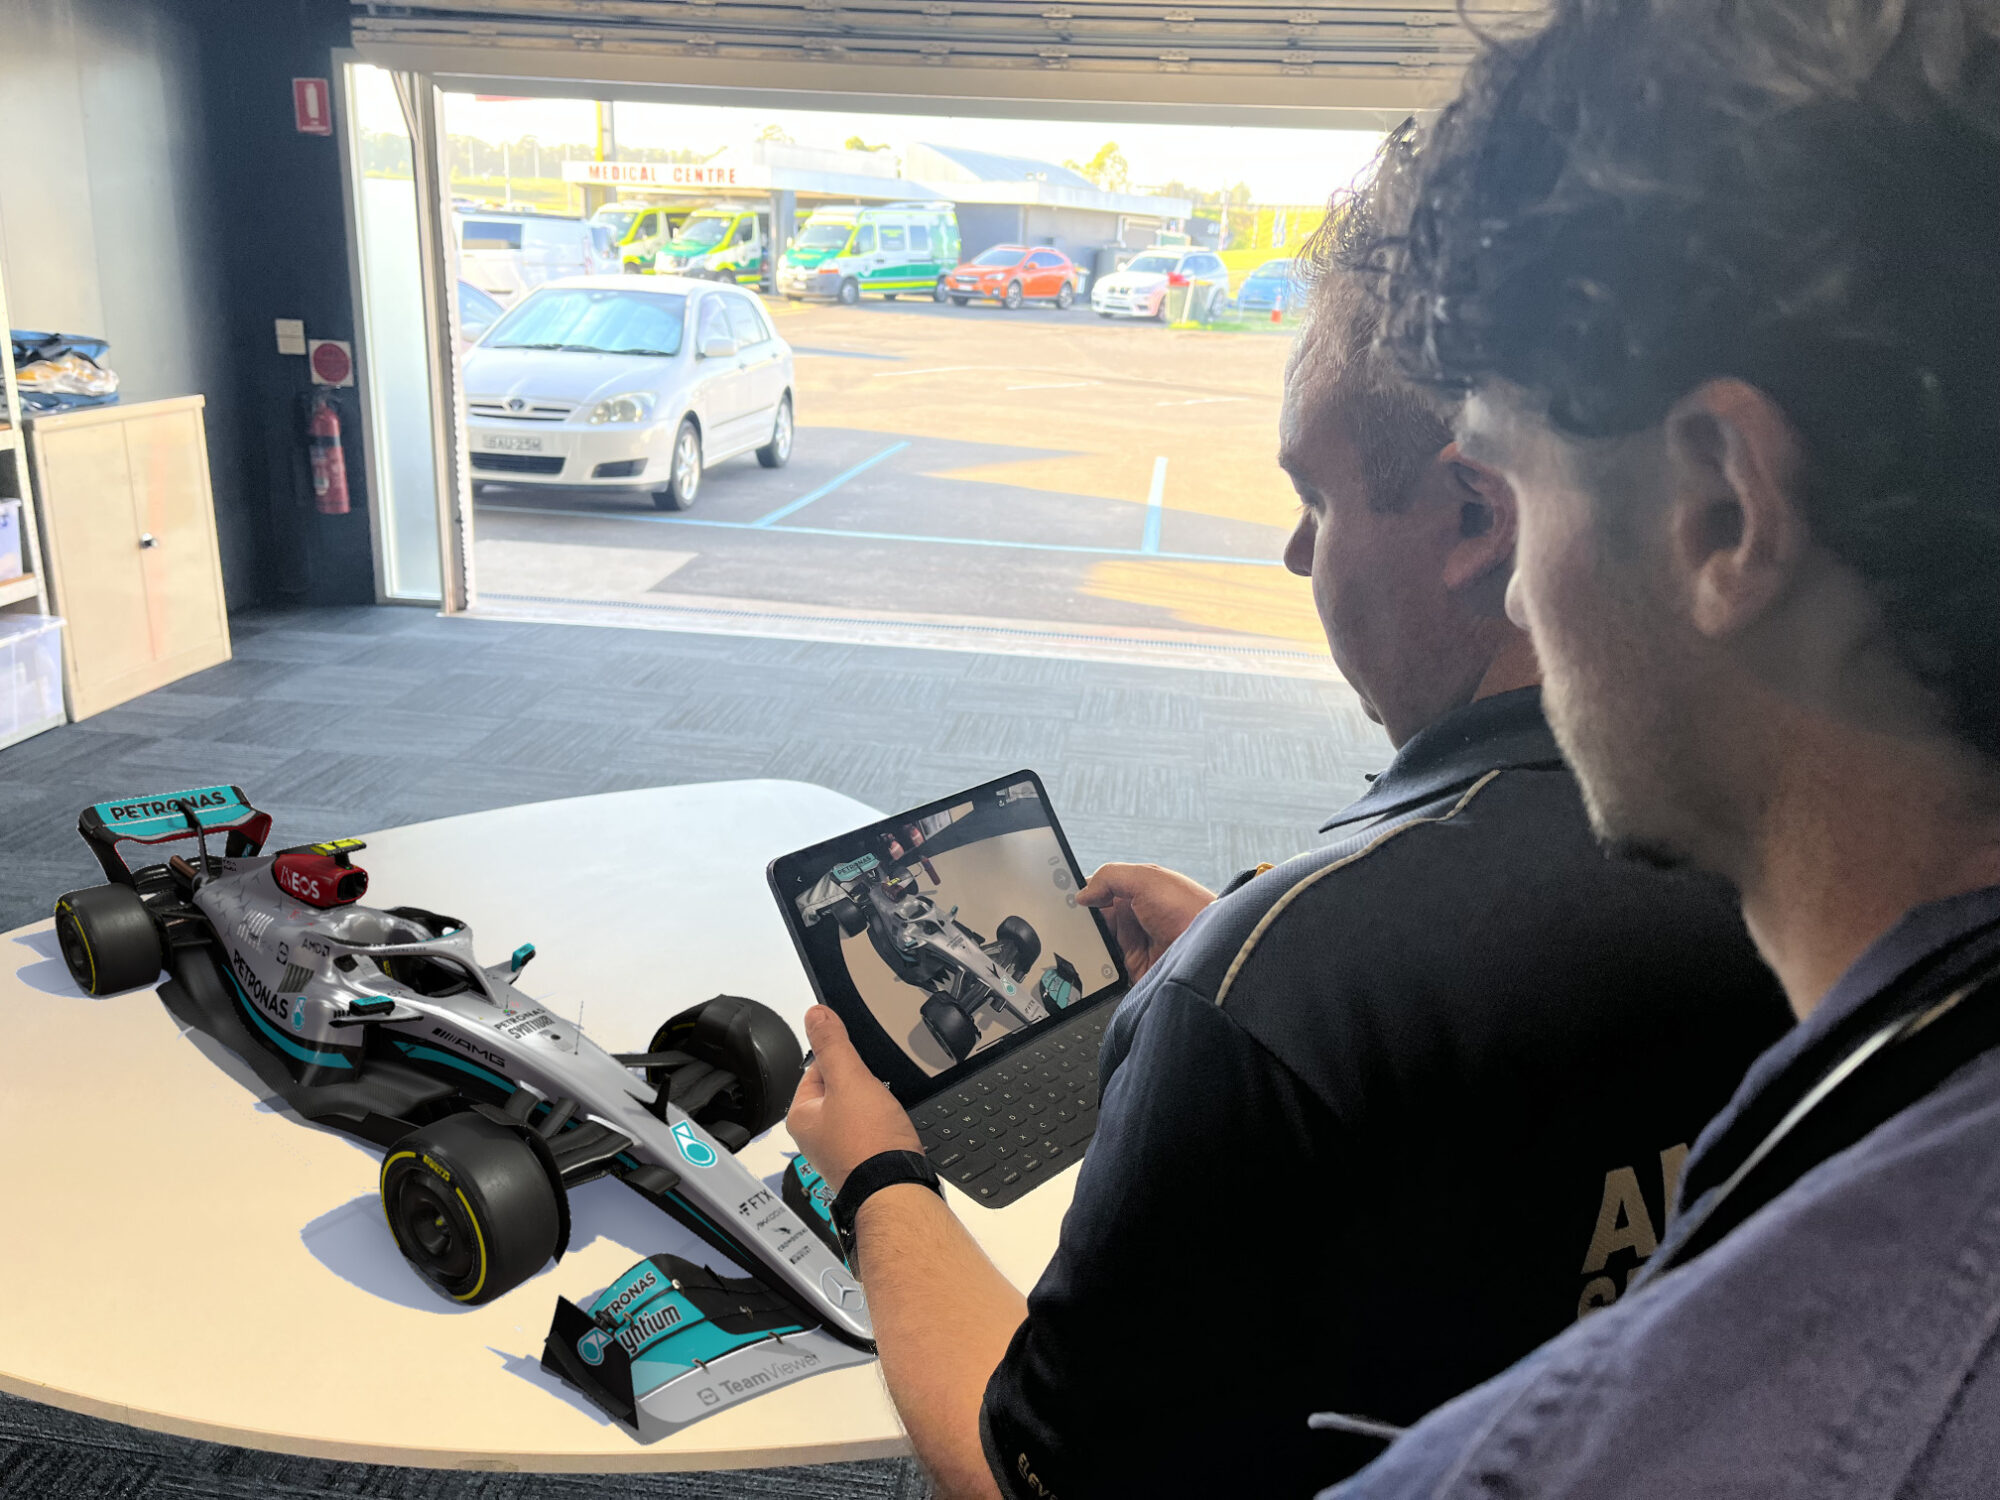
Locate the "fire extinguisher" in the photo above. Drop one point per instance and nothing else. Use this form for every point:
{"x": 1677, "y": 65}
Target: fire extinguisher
{"x": 329, "y": 462}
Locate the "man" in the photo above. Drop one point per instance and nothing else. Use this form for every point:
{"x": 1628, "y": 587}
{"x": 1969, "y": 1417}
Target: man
{"x": 1725, "y": 284}
{"x": 1383, "y": 1117}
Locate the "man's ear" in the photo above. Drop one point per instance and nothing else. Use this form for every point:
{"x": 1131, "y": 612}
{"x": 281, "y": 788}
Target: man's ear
{"x": 1737, "y": 524}
{"x": 1487, "y": 519}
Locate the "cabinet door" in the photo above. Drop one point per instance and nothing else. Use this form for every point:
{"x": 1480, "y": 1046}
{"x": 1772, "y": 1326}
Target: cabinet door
{"x": 169, "y": 467}
{"x": 84, "y": 481}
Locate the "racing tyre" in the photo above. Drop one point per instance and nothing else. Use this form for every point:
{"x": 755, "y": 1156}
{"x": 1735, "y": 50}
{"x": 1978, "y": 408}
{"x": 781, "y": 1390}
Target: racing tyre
{"x": 1065, "y": 297}
{"x": 1013, "y": 298}
{"x": 951, "y": 1026}
{"x": 471, "y": 1206}
{"x": 937, "y": 290}
{"x": 850, "y": 292}
{"x": 108, "y": 939}
{"x": 778, "y": 452}
{"x": 684, "y": 479}
{"x": 1019, "y": 947}
{"x": 853, "y": 921}
{"x": 960, "y": 301}
{"x": 744, "y": 1066}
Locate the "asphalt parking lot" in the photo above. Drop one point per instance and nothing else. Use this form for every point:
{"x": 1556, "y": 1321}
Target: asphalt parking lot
{"x": 1037, "y": 473}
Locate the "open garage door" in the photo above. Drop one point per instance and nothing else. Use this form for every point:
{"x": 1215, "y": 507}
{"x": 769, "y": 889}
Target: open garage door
{"x": 1359, "y": 64}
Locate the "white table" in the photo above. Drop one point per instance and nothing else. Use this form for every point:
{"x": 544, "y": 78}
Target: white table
{"x": 181, "y": 1255}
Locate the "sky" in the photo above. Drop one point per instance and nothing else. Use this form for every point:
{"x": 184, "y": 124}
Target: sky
{"x": 1281, "y": 166}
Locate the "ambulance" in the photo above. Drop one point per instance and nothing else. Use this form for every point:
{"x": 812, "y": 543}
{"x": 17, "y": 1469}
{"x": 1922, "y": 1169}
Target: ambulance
{"x": 898, "y": 249}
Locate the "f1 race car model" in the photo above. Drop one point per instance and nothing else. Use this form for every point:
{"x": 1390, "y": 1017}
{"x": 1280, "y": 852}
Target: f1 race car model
{"x": 935, "y": 951}
{"x": 384, "y": 1025}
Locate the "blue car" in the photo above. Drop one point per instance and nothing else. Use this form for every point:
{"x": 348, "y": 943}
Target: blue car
{"x": 1269, "y": 289}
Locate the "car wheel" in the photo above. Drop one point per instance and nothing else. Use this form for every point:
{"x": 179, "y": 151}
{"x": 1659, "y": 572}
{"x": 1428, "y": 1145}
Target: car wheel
{"x": 1102, "y": 314}
{"x": 953, "y": 1028}
{"x": 684, "y": 479}
{"x": 633, "y": 268}
{"x": 853, "y": 921}
{"x": 471, "y": 1205}
{"x": 1160, "y": 312}
{"x": 1065, "y": 296}
{"x": 1018, "y": 946}
{"x": 1013, "y": 298}
{"x": 890, "y": 296}
{"x": 937, "y": 291}
{"x": 792, "y": 297}
{"x": 850, "y": 292}
{"x": 110, "y": 943}
{"x": 778, "y": 452}
{"x": 742, "y": 1066}
{"x": 960, "y": 301}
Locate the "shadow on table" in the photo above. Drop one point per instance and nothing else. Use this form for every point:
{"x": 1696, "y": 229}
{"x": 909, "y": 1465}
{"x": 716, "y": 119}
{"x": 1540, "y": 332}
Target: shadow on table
{"x": 50, "y": 974}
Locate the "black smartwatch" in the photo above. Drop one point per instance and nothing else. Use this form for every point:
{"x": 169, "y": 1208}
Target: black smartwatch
{"x": 883, "y": 1169}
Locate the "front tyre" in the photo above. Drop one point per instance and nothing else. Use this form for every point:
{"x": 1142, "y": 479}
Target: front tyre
{"x": 471, "y": 1207}
{"x": 684, "y": 478}
{"x": 1018, "y": 946}
{"x": 960, "y": 301}
{"x": 778, "y": 452}
{"x": 850, "y": 292}
{"x": 1013, "y": 298}
{"x": 742, "y": 1067}
{"x": 1065, "y": 296}
{"x": 953, "y": 1028}
{"x": 937, "y": 290}
{"x": 109, "y": 940}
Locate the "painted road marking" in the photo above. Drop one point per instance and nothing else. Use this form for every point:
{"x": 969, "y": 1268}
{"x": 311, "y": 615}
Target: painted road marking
{"x": 1201, "y": 401}
{"x": 932, "y": 370}
{"x": 877, "y": 536}
{"x": 1150, "y": 542}
{"x": 828, "y": 488}
{"x": 1053, "y": 385}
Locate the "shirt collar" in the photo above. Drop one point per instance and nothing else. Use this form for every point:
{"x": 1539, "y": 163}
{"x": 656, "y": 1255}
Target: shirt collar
{"x": 1506, "y": 730}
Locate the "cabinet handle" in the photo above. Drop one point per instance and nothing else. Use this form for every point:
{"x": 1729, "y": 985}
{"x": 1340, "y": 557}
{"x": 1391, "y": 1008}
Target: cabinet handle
{"x": 147, "y": 540}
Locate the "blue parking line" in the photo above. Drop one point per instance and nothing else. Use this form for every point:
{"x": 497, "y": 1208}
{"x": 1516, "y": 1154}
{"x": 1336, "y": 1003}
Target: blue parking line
{"x": 1155, "y": 494}
{"x": 883, "y": 536}
{"x": 829, "y": 487}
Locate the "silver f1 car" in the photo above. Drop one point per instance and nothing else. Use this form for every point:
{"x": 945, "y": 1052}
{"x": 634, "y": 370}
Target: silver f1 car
{"x": 384, "y": 1025}
{"x": 933, "y": 950}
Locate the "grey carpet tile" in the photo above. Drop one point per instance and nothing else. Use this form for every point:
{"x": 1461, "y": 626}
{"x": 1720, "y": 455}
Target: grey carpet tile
{"x": 1269, "y": 755}
{"x": 168, "y": 765}
{"x": 839, "y": 763}
{"x": 1179, "y": 846}
{"x": 1244, "y": 846}
{"x": 663, "y": 758}
{"x": 343, "y": 682}
{"x": 596, "y": 704}
{"x": 1302, "y": 806}
{"x": 50, "y": 1454}
{"x": 497, "y": 695}
{"x": 572, "y": 748}
{"x": 174, "y": 706}
{"x": 1104, "y": 784}
{"x": 1010, "y": 740}
{"x": 1112, "y": 709}
{"x": 739, "y": 711}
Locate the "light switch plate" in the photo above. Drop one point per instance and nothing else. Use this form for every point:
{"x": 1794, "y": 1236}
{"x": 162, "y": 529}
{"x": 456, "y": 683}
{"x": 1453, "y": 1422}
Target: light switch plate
{"x": 291, "y": 335}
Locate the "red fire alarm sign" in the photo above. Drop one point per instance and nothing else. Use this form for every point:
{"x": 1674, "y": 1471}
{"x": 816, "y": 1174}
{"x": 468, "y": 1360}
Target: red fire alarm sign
{"x": 332, "y": 361}
{"x": 311, "y": 109}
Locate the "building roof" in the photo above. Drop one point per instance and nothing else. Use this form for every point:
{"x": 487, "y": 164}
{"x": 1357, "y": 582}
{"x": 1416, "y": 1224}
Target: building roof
{"x": 991, "y": 166}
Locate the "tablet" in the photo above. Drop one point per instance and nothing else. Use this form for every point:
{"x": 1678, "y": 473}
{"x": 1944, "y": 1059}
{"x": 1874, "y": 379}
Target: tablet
{"x": 950, "y": 937}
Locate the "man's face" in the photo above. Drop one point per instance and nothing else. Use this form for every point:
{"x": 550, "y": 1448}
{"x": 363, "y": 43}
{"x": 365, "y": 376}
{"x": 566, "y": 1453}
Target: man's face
{"x": 1621, "y": 674}
{"x": 1377, "y": 576}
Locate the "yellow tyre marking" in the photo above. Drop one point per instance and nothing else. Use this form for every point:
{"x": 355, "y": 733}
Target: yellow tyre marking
{"x": 478, "y": 1237}
{"x": 64, "y": 909}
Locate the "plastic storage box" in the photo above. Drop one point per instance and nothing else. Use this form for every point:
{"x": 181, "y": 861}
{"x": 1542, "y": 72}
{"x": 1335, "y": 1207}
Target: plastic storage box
{"x": 31, "y": 697}
{"x": 10, "y": 539}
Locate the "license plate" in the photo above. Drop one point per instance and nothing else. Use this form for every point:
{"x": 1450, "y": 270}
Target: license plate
{"x": 507, "y": 442}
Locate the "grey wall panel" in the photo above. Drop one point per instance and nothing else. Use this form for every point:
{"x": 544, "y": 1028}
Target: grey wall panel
{"x": 48, "y": 240}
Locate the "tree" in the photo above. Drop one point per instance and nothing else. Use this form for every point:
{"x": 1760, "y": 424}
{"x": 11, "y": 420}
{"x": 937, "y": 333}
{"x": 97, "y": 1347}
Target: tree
{"x": 776, "y": 134}
{"x": 1107, "y": 169}
{"x": 855, "y": 143}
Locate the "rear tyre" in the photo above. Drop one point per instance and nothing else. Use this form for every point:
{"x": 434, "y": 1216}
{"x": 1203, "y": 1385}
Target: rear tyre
{"x": 471, "y": 1206}
{"x": 850, "y": 292}
{"x": 1065, "y": 296}
{"x": 684, "y": 478}
{"x": 1104, "y": 314}
{"x": 890, "y": 296}
{"x": 1013, "y": 298}
{"x": 951, "y": 1026}
{"x": 744, "y": 1066}
{"x": 937, "y": 290}
{"x": 960, "y": 301}
{"x": 1019, "y": 946}
{"x": 109, "y": 941}
{"x": 853, "y": 921}
{"x": 778, "y": 452}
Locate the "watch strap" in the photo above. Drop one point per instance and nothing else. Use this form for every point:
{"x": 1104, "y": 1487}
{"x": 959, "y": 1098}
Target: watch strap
{"x": 883, "y": 1169}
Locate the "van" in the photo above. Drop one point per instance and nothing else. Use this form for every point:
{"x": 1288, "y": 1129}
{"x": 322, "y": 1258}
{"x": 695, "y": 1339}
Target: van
{"x": 719, "y": 242}
{"x": 504, "y": 254}
{"x": 638, "y": 231}
{"x": 845, "y": 250}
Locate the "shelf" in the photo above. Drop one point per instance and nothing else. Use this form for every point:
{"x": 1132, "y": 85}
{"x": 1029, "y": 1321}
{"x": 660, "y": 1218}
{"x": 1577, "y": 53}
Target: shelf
{"x": 16, "y": 589}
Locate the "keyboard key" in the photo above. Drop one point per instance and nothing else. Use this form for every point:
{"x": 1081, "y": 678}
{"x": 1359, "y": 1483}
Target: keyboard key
{"x": 1036, "y": 1106}
{"x": 1065, "y": 1113}
{"x": 1008, "y": 1179}
{"x": 1068, "y": 1063}
{"x": 1009, "y": 1096}
{"x": 1024, "y": 1138}
{"x": 1053, "y": 1148}
{"x": 1003, "y": 1150}
{"x": 1003, "y": 1075}
{"x": 968, "y": 1170}
{"x": 1031, "y": 1164}
{"x": 1054, "y": 1096}
{"x": 964, "y": 1098}
{"x": 986, "y": 1190}
{"x": 966, "y": 1121}
{"x": 1047, "y": 1124}
{"x": 946, "y": 1156}
{"x": 946, "y": 1133}
{"x": 988, "y": 1107}
{"x": 1049, "y": 1074}
{"x": 981, "y": 1086}
{"x": 1060, "y": 1046}
{"x": 993, "y": 1132}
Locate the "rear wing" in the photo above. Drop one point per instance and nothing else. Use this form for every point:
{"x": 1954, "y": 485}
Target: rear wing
{"x": 169, "y": 817}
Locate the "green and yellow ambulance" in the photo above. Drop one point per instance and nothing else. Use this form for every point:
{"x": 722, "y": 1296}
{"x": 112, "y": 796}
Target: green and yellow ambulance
{"x": 719, "y": 242}
{"x": 895, "y": 250}
{"x": 638, "y": 230}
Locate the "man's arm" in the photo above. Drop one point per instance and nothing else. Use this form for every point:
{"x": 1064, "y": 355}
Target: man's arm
{"x": 943, "y": 1313}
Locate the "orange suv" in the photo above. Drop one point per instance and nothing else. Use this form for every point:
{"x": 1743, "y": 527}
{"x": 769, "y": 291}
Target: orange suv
{"x": 1013, "y": 274}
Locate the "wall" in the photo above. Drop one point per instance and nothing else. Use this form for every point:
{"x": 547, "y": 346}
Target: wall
{"x": 152, "y": 191}
{"x": 984, "y": 225}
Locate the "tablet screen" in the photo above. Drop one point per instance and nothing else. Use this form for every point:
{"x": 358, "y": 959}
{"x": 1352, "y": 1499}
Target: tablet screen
{"x": 947, "y": 932}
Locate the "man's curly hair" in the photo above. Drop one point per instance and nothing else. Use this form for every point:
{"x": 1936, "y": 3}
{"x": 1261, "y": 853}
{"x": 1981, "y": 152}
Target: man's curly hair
{"x": 1803, "y": 194}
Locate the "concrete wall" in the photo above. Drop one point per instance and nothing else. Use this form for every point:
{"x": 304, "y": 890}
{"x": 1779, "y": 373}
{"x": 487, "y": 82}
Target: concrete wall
{"x": 984, "y": 225}
{"x": 153, "y": 192}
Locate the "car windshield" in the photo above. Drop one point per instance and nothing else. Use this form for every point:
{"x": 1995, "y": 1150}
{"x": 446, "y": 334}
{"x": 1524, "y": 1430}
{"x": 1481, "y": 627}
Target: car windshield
{"x": 701, "y": 231}
{"x": 999, "y": 255}
{"x": 824, "y": 236}
{"x": 586, "y": 320}
{"x": 1272, "y": 270}
{"x": 617, "y": 220}
{"x": 1159, "y": 265}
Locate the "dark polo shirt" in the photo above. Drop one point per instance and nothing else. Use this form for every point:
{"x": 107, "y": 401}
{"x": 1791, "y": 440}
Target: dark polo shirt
{"x": 1385, "y": 1117}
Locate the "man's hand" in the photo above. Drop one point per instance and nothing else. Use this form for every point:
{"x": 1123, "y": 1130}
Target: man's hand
{"x": 843, "y": 1114}
{"x": 1147, "y": 907}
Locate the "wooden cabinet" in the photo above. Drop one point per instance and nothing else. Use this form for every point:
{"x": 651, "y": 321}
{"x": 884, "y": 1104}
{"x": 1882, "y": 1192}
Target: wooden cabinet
{"x": 128, "y": 528}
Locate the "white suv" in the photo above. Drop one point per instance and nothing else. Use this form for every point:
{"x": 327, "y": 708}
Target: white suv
{"x": 1139, "y": 288}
